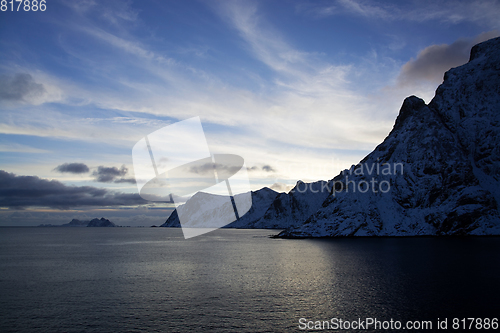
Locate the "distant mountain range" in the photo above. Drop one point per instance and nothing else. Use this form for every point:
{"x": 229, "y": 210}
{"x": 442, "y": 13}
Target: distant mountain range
{"x": 436, "y": 173}
{"x": 78, "y": 224}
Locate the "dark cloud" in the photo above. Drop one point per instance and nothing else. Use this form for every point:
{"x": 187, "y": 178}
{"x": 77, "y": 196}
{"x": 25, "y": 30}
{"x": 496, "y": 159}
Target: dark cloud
{"x": 72, "y": 168}
{"x": 266, "y": 168}
{"x": 31, "y": 191}
{"x": 125, "y": 180}
{"x": 202, "y": 169}
{"x": 432, "y": 62}
{"x": 19, "y": 87}
{"x": 112, "y": 175}
{"x": 209, "y": 167}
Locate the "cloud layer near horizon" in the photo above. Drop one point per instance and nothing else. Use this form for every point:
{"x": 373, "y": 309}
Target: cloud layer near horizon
{"x": 20, "y": 192}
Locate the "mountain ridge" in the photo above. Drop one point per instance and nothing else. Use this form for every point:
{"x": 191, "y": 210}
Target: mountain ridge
{"x": 449, "y": 148}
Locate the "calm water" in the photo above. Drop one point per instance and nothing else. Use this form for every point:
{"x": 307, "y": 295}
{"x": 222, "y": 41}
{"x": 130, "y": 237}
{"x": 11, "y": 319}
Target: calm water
{"x": 152, "y": 280}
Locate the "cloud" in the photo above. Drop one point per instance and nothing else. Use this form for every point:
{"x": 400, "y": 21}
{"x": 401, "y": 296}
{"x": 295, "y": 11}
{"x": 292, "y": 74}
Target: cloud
{"x": 305, "y": 100}
{"x": 299, "y": 84}
{"x": 19, "y": 148}
{"x": 111, "y": 174}
{"x": 266, "y": 44}
{"x": 76, "y": 168}
{"x": 266, "y": 168}
{"x": 20, "y": 87}
{"x": 108, "y": 174}
{"x": 342, "y": 7}
{"x": 280, "y": 187}
{"x": 209, "y": 167}
{"x": 312, "y": 101}
{"x": 20, "y": 192}
{"x": 485, "y": 12}
{"x": 202, "y": 169}
{"x": 433, "y": 61}
{"x": 125, "y": 180}
{"x": 113, "y": 11}
{"x": 363, "y": 8}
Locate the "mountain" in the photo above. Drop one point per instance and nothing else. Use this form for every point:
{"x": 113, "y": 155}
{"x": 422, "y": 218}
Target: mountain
{"x": 78, "y": 224}
{"x": 101, "y": 223}
{"x": 292, "y": 208}
{"x": 436, "y": 173}
{"x": 172, "y": 221}
{"x": 270, "y": 210}
{"x": 261, "y": 200}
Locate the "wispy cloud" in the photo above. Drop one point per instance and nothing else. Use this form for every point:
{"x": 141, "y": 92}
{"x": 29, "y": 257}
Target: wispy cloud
{"x": 305, "y": 105}
{"x": 20, "y": 148}
{"x": 312, "y": 103}
{"x": 485, "y": 12}
{"x": 129, "y": 46}
{"x": 365, "y": 8}
{"x": 112, "y": 11}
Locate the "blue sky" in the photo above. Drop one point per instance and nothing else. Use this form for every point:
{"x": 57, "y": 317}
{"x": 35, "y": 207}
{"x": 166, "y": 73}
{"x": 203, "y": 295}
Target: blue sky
{"x": 299, "y": 89}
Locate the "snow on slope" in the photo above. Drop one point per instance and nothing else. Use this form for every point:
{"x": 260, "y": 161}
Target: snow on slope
{"x": 450, "y": 159}
{"x": 261, "y": 200}
{"x": 292, "y": 208}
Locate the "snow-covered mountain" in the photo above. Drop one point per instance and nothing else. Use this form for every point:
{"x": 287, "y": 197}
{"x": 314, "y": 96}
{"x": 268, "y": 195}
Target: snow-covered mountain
{"x": 293, "y": 208}
{"x": 261, "y": 200}
{"x": 436, "y": 173}
{"x": 270, "y": 210}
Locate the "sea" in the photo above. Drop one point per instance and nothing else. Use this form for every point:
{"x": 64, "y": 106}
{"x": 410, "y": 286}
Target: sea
{"x": 153, "y": 280}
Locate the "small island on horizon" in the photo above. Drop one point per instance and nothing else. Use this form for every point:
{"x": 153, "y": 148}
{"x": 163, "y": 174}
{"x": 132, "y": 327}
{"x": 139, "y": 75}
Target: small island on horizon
{"x": 75, "y": 223}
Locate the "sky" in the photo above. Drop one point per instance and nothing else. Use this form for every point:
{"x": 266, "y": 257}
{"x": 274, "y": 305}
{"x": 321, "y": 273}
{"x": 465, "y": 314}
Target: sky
{"x": 300, "y": 89}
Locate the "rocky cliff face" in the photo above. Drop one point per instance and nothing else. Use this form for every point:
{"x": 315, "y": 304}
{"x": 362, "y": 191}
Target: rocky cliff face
{"x": 437, "y": 172}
